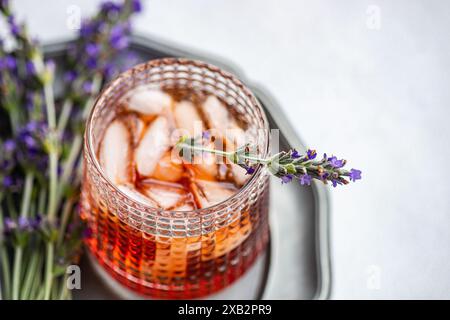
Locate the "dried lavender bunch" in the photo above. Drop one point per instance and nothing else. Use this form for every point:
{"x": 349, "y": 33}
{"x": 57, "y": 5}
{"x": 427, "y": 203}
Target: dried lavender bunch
{"x": 40, "y": 158}
{"x": 287, "y": 166}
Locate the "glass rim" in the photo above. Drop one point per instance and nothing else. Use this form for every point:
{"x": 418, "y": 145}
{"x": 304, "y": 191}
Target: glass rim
{"x": 88, "y": 137}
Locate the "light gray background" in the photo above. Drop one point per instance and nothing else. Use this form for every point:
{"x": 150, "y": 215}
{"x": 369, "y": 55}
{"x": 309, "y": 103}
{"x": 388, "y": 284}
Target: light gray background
{"x": 375, "y": 91}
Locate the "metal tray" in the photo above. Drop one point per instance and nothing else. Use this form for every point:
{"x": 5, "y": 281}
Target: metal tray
{"x": 297, "y": 264}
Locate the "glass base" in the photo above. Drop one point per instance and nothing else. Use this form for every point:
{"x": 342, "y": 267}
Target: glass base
{"x": 249, "y": 286}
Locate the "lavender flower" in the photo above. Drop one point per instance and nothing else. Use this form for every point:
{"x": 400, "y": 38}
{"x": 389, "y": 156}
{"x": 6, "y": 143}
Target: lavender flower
{"x": 87, "y": 29}
{"x": 295, "y": 154}
{"x": 9, "y": 63}
{"x": 305, "y": 179}
{"x": 206, "y": 135}
{"x": 23, "y": 224}
{"x": 136, "y": 6}
{"x": 250, "y": 170}
{"x": 109, "y": 70}
{"x": 13, "y": 26}
{"x": 92, "y": 49}
{"x": 87, "y": 87}
{"x": 8, "y": 181}
{"x": 91, "y": 63}
{"x": 354, "y": 175}
{"x": 9, "y": 145}
{"x": 335, "y": 163}
{"x": 31, "y": 145}
{"x": 311, "y": 154}
{"x": 9, "y": 224}
{"x": 117, "y": 38}
{"x": 286, "y": 179}
{"x": 324, "y": 176}
{"x": 70, "y": 76}
{"x": 30, "y": 69}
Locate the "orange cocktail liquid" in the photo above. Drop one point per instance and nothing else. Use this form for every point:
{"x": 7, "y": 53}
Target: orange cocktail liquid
{"x": 173, "y": 265}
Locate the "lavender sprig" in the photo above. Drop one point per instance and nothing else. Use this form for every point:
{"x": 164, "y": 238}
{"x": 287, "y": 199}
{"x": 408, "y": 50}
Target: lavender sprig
{"x": 287, "y": 166}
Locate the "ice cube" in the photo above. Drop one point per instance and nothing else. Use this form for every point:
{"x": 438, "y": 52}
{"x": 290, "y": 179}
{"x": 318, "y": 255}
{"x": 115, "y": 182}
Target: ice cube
{"x": 115, "y": 153}
{"x": 187, "y": 118}
{"x": 217, "y": 114}
{"x": 185, "y": 207}
{"x": 219, "y": 118}
{"x": 136, "y": 126}
{"x": 167, "y": 195}
{"x": 235, "y": 137}
{"x": 208, "y": 193}
{"x": 149, "y": 101}
{"x": 169, "y": 169}
{"x": 204, "y": 166}
{"x": 154, "y": 144}
{"x": 240, "y": 176}
{"x": 137, "y": 196}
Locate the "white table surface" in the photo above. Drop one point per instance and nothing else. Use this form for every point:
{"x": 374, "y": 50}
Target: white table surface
{"x": 366, "y": 80}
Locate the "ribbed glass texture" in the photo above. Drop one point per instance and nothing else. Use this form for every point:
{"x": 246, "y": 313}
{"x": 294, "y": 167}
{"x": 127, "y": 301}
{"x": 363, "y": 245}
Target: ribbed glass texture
{"x": 174, "y": 254}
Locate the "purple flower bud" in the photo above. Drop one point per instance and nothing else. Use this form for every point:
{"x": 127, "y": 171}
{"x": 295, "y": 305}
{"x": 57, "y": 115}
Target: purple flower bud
{"x": 295, "y": 154}
{"x": 23, "y": 224}
{"x": 136, "y": 6}
{"x": 87, "y": 29}
{"x": 6, "y": 165}
{"x": 311, "y": 154}
{"x": 30, "y": 142}
{"x": 335, "y": 163}
{"x": 305, "y": 180}
{"x": 29, "y": 101}
{"x": 92, "y": 49}
{"x": 355, "y": 174}
{"x": 36, "y": 222}
{"x": 10, "y": 63}
{"x": 206, "y": 135}
{"x": 70, "y": 76}
{"x": 30, "y": 69}
{"x": 9, "y": 224}
{"x": 335, "y": 182}
{"x": 109, "y": 70}
{"x": 117, "y": 38}
{"x": 32, "y": 126}
{"x": 286, "y": 179}
{"x": 8, "y": 181}
{"x": 87, "y": 87}
{"x": 91, "y": 63}
{"x": 9, "y": 145}
{"x": 250, "y": 170}
{"x": 13, "y": 26}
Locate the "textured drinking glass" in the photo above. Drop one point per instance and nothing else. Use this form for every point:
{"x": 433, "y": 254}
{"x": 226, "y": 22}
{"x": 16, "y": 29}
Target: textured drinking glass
{"x": 174, "y": 254}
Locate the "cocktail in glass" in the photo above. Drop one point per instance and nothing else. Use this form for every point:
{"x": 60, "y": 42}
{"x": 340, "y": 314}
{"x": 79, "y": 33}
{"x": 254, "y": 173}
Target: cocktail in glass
{"x": 164, "y": 225}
